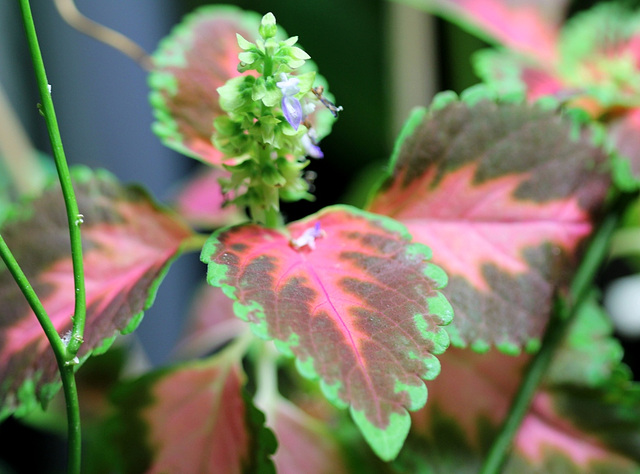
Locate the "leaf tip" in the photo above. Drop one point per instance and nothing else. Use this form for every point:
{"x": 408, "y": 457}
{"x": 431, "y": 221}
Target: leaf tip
{"x": 385, "y": 442}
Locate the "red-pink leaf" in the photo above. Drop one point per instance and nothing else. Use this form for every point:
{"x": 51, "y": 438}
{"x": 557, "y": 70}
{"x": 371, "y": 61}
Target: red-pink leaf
{"x": 128, "y": 243}
{"x": 211, "y": 323}
{"x": 504, "y": 195}
{"x": 304, "y": 444}
{"x": 530, "y": 26}
{"x": 547, "y": 439}
{"x": 199, "y": 56}
{"x": 584, "y": 418}
{"x": 192, "y": 418}
{"x": 473, "y": 389}
{"x": 348, "y": 294}
{"x": 201, "y": 202}
{"x": 469, "y": 400}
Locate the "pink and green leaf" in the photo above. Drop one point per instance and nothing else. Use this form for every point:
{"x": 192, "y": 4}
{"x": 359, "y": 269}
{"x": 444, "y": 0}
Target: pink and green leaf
{"x": 529, "y": 26}
{"x": 199, "y": 56}
{"x": 128, "y": 245}
{"x": 597, "y": 71}
{"x": 194, "y": 417}
{"x": 583, "y": 419}
{"x": 599, "y": 51}
{"x": 353, "y": 299}
{"x": 504, "y": 193}
{"x": 576, "y": 430}
{"x": 509, "y": 72}
{"x": 467, "y": 404}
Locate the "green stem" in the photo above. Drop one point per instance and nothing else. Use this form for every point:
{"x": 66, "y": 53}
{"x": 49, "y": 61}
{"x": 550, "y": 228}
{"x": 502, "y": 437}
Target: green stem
{"x": 65, "y": 358}
{"x": 272, "y": 218}
{"x": 34, "y": 302}
{"x": 193, "y": 243}
{"x": 74, "y": 217}
{"x": 564, "y": 313}
{"x": 74, "y": 434}
{"x": 267, "y": 378}
{"x": 59, "y": 349}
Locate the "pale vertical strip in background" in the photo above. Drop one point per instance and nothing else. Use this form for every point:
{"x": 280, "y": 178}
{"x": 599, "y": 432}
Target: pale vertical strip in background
{"x": 17, "y": 153}
{"x": 411, "y": 73}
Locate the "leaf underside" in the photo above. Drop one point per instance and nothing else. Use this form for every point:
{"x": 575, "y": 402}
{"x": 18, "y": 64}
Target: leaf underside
{"x": 359, "y": 308}
{"x": 128, "y": 242}
{"x": 504, "y": 193}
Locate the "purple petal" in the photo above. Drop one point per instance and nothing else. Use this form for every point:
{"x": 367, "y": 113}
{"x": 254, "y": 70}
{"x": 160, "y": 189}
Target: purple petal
{"x": 292, "y": 110}
{"x": 310, "y": 147}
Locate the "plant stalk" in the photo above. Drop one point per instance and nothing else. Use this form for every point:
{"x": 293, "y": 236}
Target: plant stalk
{"x": 34, "y": 302}
{"x": 65, "y": 366}
{"x": 564, "y": 312}
{"x": 65, "y": 356}
{"x": 74, "y": 217}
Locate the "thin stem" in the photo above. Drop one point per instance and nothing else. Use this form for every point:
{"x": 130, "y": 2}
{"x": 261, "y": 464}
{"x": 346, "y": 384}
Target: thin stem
{"x": 34, "y": 302}
{"x": 70, "y": 13}
{"x": 74, "y": 434}
{"x": 59, "y": 349}
{"x": 65, "y": 356}
{"x": 74, "y": 217}
{"x": 564, "y": 313}
{"x": 193, "y": 243}
{"x": 267, "y": 378}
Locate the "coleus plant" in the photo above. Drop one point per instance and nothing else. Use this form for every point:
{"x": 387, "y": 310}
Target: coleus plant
{"x": 486, "y": 211}
{"x": 591, "y": 61}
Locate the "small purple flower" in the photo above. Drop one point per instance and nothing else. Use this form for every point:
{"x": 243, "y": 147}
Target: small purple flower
{"x": 308, "y": 237}
{"x": 291, "y": 107}
{"x": 310, "y": 145}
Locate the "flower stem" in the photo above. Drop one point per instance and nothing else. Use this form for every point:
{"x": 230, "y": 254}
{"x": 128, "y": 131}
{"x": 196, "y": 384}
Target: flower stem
{"x": 564, "y": 312}
{"x": 74, "y": 217}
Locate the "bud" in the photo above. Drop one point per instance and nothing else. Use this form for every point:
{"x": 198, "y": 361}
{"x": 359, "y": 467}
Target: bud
{"x": 268, "y": 28}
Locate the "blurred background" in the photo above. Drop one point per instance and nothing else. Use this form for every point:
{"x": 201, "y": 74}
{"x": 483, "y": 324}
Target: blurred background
{"x": 380, "y": 58}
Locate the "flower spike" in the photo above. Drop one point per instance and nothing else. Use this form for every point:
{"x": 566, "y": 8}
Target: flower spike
{"x": 265, "y": 153}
